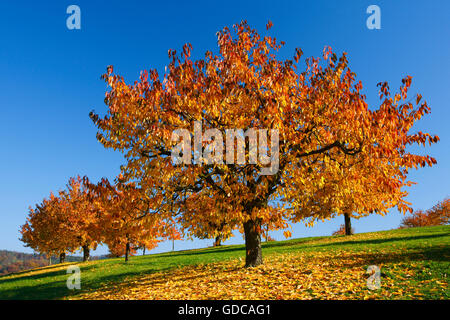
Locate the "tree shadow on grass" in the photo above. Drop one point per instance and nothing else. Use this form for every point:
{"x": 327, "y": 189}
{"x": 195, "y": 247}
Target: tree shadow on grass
{"x": 58, "y": 289}
{"x": 376, "y": 258}
{"x": 361, "y": 259}
{"x": 54, "y": 283}
{"x": 162, "y": 278}
{"x": 382, "y": 240}
{"x": 216, "y": 250}
{"x": 22, "y": 276}
{"x": 290, "y": 243}
{"x": 237, "y": 248}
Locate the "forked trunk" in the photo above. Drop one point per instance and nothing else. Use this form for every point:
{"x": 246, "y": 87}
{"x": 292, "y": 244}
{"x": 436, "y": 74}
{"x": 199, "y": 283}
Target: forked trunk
{"x": 348, "y": 224}
{"x": 86, "y": 253}
{"x": 62, "y": 257}
{"x": 253, "y": 254}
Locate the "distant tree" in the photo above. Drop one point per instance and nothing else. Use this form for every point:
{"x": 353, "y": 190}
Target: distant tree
{"x": 11, "y": 261}
{"x": 342, "y": 231}
{"x": 127, "y": 220}
{"x": 46, "y": 229}
{"x": 439, "y": 214}
{"x": 216, "y": 224}
{"x": 64, "y": 222}
{"x": 83, "y": 215}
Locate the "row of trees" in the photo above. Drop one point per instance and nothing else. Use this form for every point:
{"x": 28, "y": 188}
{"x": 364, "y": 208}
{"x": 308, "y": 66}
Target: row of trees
{"x": 336, "y": 156}
{"x": 11, "y": 261}
{"x": 120, "y": 215}
{"x": 85, "y": 214}
{"x": 439, "y": 214}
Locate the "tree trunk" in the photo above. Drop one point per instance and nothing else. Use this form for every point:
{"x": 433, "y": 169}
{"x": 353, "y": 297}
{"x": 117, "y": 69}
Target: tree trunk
{"x": 143, "y": 251}
{"x": 62, "y": 257}
{"x": 127, "y": 251}
{"x": 253, "y": 254}
{"x": 348, "y": 224}
{"x": 86, "y": 253}
{"x": 218, "y": 241}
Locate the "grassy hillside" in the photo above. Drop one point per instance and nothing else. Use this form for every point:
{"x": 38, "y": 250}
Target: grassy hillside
{"x": 415, "y": 264}
{"x": 14, "y": 262}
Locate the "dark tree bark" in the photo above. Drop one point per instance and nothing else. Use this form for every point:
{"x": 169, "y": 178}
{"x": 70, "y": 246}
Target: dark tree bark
{"x": 62, "y": 257}
{"x": 86, "y": 253}
{"x": 143, "y": 251}
{"x": 218, "y": 241}
{"x": 127, "y": 251}
{"x": 348, "y": 224}
{"x": 253, "y": 253}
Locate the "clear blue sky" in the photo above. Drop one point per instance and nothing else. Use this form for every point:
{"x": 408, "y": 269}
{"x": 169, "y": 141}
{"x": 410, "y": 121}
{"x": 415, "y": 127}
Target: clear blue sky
{"x": 49, "y": 81}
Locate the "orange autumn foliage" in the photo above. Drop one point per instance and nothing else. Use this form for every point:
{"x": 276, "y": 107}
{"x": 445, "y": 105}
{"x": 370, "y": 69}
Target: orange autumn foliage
{"x": 439, "y": 214}
{"x": 64, "y": 222}
{"x": 86, "y": 215}
{"x": 128, "y": 221}
{"x": 335, "y": 153}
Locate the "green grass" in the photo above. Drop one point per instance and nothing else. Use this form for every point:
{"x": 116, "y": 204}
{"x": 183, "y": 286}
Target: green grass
{"x": 426, "y": 251}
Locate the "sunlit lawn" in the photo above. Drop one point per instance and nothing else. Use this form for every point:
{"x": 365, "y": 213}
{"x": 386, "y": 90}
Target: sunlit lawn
{"x": 414, "y": 263}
